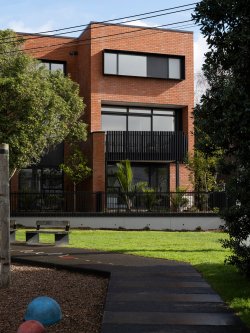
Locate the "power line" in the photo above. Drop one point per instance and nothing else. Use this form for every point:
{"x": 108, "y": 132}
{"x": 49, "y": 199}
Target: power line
{"x": 72, "y": 43}
{"x": 112, "y": 20}
{"x": 91, "y": 28}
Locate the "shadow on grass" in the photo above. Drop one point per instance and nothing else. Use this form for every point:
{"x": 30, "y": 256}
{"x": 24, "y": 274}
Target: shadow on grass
{"x": 164, "y": 250}
{"x": 233, "y": 287}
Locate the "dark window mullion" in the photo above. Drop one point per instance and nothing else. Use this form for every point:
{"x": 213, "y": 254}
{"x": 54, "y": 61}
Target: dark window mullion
{"x": 167, "y": 68}
{"x": 152, "y": 121}
{"x": 127, "y": 114}
{"x": 117, "y": 63}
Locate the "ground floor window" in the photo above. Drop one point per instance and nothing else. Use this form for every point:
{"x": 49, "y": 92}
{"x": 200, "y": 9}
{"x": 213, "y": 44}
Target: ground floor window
{"x": 41, "y": 179}
{"x": 40, "y": 189}
{"x": 156, "y": 175}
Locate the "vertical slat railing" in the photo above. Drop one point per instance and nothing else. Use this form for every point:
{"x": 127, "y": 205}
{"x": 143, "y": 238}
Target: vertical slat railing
{"x": 148, "y": 146}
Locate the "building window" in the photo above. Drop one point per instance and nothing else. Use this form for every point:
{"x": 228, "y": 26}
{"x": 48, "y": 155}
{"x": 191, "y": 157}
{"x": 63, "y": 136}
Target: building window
{"x": 54, "y": 65}
{"x": 174, "y": 68}
{"x": 155, "y": 175}
{"x": 114, "y": 122}
{"x": 132, "y": 65}
{"x": 37, "y": 180}
{"x": 138, "y": 119}
{"x": 143, "y": 65}
{"x": 46, "y": 175}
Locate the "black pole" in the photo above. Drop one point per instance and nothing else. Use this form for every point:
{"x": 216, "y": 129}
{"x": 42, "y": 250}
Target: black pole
{"x": 177, "y": 169}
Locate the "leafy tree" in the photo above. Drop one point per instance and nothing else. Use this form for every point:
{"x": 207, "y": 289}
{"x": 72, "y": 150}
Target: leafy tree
{"x": 38, "y": 108}
{"x": 203, "y": 169}
{"x": 224, "y": 112}
{"x": 200, "y": 86}
{"x": 75, "y": 167}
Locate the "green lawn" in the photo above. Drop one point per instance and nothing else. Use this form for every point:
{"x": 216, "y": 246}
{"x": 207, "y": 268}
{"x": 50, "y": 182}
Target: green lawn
{"x": 201, "y": 249}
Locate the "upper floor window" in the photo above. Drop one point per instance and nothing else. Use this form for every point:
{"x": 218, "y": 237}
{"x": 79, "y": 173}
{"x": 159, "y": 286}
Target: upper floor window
{"x": 54, "y": 65}
{"x": 137, "y": 119}
{"x": 144, "y": 65}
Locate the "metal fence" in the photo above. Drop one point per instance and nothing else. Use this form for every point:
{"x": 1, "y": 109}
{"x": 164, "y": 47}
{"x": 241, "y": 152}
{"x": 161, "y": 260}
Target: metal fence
{"x": 118, "y": 202}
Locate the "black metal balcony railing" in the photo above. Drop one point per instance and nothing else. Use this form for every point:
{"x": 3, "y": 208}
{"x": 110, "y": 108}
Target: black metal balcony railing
{"x": 117, "y": 202}
{"x": 146, "y": 146}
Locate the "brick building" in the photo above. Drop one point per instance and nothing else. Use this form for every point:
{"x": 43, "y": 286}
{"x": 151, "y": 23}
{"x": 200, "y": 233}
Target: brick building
{"x": 137, "y": 85}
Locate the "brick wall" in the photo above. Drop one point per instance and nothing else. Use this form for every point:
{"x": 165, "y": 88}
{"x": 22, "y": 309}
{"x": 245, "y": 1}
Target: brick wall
{"x": 86, "y": 68}
{"x": 143, "y": 90}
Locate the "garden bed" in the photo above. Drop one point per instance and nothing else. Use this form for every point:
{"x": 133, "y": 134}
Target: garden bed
{"x": 81, "y": 297}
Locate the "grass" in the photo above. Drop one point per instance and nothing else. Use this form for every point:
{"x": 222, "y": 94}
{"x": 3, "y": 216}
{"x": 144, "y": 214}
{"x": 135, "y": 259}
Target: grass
{"x": 202, "y": 249}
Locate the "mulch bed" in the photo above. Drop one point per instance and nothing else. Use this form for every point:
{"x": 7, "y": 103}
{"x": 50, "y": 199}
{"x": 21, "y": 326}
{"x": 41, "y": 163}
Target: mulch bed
{"x": 81, "y": 297}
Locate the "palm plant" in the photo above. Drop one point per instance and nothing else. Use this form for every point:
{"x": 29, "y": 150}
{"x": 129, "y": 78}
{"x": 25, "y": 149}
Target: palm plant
{"x": 124, "y": 176}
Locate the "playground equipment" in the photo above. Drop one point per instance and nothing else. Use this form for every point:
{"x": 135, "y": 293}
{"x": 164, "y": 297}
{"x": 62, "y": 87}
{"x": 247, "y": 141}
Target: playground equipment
{"x": 45, "y": 310}
{"x": 31, "y": 326}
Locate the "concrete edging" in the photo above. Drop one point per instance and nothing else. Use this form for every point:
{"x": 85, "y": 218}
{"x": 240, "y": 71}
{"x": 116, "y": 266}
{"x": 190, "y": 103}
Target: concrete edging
{"x": 132, "y": 222}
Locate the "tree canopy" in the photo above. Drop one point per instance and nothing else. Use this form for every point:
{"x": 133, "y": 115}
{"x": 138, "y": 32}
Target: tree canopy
{"x": 224, "y": 112}
{"x": 38, "y": 108}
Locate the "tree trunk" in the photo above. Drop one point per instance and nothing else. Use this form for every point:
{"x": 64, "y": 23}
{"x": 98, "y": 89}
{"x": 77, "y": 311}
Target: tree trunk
{"x": 12, "y": 172}
{"x": 74, "y": 196}
{"x": 4, "y": 217}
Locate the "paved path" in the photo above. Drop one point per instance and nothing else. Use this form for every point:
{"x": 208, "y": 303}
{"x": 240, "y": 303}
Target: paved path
{"x": 144, "y": 295}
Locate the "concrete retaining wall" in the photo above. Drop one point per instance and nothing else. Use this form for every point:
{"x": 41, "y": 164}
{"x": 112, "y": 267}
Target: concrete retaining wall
{"x": 137, "y": 223}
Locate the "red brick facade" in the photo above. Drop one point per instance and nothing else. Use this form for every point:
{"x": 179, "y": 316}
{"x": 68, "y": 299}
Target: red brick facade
{"x": 84, "y": 58}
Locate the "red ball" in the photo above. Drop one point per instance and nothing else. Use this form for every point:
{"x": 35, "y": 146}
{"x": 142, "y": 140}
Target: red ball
{"x": 31, "y": 326}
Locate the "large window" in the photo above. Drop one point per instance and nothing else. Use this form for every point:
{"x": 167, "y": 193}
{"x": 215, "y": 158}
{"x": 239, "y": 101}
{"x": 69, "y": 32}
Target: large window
{"x": 156, "y": 175}
{"x": 137, "y": 119}
{"x": 46, "y": 175}
{"x": 143, "y": 65}
{"x": 37, "y": 180}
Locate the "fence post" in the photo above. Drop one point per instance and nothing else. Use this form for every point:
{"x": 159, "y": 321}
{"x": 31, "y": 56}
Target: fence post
{"x": 99, "y": 204}
{"x": 4, "y": 217}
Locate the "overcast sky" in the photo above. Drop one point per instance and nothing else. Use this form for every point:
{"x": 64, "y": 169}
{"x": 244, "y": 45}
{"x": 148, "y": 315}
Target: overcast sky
{"x": 43, "y": 15}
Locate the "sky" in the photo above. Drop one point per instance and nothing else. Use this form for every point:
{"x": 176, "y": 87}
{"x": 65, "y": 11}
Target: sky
{"x": 43, "y": 15}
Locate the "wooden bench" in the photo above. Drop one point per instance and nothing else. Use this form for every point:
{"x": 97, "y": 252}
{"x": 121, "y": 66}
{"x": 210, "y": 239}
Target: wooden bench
{"x": 12, "y": 231}
{"x": 61, "y": 236}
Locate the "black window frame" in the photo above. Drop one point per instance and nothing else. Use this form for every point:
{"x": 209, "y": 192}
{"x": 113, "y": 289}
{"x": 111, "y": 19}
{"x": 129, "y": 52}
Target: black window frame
{"x": 167, "y": 56}
{"x": 42, "y": 189}
{"x": 60, "y": 62}
{"x": 177, "y": 114}
{"x": 151, "y": 167}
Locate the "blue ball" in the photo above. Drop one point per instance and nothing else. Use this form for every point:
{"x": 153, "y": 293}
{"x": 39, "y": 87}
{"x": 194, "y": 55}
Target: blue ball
{"x": 45, "y": 310}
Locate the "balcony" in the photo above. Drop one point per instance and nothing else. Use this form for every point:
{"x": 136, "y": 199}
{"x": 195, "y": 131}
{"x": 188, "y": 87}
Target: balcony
{"x": 146, "y": 146}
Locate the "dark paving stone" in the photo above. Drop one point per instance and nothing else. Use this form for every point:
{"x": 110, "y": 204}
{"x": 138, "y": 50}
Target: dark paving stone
{"x": 161, "y": 289}
{"x": 164, "y": 318}
{"x": 154, "y": 306}
{"x": 147, "y": 296}
{"x": 164, "y": 278}
{"x": 134, "y": 328}
{"x": 158, "y": 274}
{"x": 161, "y": 282}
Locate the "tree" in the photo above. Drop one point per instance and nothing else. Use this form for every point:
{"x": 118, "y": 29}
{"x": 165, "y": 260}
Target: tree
{"x": 224, "y": 112}
{"x": 38, "y": 108}
{"x": 200, "y": 86}
{"x": 203, "y": 169}
{"x": 75, "y": 167}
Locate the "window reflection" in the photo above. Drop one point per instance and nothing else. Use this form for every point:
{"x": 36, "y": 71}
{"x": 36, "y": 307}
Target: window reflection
{"x": 161, "y": 123}
{"x": 113, "y": 122}
{"x": 139, "y": 123}
{"x": 132, "y": 65}
{"x": 54, "y": 66}
{"x": 37, "y": 180}
{"x": 155, "y": 175}
{"x": 137, "y": 119}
